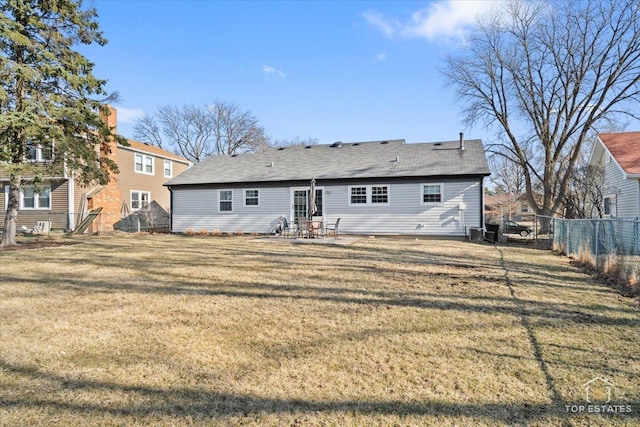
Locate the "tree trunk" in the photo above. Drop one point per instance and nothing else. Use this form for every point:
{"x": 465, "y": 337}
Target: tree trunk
{"x": 11, "y": 216}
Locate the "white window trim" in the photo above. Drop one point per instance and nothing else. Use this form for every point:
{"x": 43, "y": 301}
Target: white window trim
{"x": 372, "y": 203}
{"x": 140, "y": 193}
{"x": 423, "y": 203}
{"x": 369, "y": 195}
{"x": 21, "y": 202}
{"x": 220, "y": 201}
{"x": 164, "y": 169}
{"x": 144, "y": 158}
{"x": 613, "y": 205}
{"x": 366, "y": 195}
{"x": 244, "y": 198}
{"x": 40, "y": 154}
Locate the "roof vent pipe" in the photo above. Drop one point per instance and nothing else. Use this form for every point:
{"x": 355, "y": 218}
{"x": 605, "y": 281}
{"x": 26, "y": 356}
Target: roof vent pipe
{"x": 270, "y": 165}
{"x": 397, "y": 159}
{"x": 461, "y": 140}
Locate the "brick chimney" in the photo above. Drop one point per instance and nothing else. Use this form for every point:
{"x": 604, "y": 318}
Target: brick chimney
{"x": 111, "y": 119}
{"x": 110, "y": 197}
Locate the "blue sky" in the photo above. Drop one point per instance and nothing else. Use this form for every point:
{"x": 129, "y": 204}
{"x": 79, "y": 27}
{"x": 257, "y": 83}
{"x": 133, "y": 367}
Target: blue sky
{"x": 332, "y": 70}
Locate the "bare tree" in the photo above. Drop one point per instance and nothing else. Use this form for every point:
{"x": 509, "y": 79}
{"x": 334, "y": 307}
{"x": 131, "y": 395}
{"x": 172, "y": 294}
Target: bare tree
{"x": 585, "y": 195}
{"x": 147, "y": 129}
{"x": 507, "y": 175}
{"x": 196, "y": 132}
{"x": 509, "y": 181}
{"x": 235, "y": 130}
{"x": 547, "y": 75}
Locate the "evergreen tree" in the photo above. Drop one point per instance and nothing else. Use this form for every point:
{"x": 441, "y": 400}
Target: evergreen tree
{"x": 49, "y": 98}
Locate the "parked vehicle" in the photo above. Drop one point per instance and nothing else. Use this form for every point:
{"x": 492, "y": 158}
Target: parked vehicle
{"x": 511, "y": 227}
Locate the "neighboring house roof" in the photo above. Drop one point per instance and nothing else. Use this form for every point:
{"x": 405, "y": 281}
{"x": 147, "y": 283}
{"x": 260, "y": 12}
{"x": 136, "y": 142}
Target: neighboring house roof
{"x": 151, "y": 149}
{"x": 625, "y": 149}
{"x": 375, "y": 159}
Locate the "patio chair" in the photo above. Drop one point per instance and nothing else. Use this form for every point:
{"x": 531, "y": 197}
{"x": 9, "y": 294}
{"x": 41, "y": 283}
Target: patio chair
{"x": 302, "y": 226}
{"x": 328, "y": 229}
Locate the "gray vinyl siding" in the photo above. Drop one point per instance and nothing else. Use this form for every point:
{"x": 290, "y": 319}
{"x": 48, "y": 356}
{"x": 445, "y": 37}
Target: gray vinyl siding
{"x": 405, "y": 214}
{"x": 197, "y": 209}
{"x": 625, "y": 190}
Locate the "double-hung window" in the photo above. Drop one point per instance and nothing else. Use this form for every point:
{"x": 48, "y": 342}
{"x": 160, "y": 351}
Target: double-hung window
{"x": 431, "y": 193}
{"x": 143, "y": 164}
{"x": 225, "y": 198}
{"x": 168, "y": 168}
{"x": 140, "y": 200}
{"x": 251, "y": 198}
{"x": 39, "y": 153}
{"x": 358, "y": 195}
{"x": 610, "y": 205}
{"x": 379, "y": 194}
{"x": 366, "y": 195}
{"x": 32, "y": 199}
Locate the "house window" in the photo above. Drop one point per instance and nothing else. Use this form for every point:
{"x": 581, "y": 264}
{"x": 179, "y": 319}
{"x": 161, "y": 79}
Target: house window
{"x": 369, "y": 195}
{"x": 431, "y": 193}
{"x": 251, "y": 198}
{"x": 524, "y": 208}
{"x": 168, "y": 168}
{"x": 148, "y": 165}
{"x": 610, "y": 205}
{"x": 358, "y": 196}
{"x": 38, "y": 153}
{"x": 379, "y": 194}
{"x": 226, "y": 200}
{"x": 140, "y": 200}
{"x": 30, "y": 199}
{"x": 143, "y": 164}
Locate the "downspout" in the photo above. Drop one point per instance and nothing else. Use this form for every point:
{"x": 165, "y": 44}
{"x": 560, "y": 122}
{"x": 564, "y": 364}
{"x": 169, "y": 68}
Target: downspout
{"x": 482, "y": 202}
{"x": 71, "y": 195}
{"x": 170, "y": 210}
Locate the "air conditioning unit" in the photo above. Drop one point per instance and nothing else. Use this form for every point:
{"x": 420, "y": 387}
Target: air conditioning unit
{"x": 476, "y": 234}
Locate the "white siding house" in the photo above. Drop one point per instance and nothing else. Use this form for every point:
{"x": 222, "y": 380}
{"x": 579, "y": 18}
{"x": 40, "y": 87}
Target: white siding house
{"x": 619, "y": 156}
{"x": 379, "y": 187}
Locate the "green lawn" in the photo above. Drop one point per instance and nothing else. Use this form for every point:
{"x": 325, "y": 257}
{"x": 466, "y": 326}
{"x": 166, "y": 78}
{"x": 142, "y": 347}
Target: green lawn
{"x": 173, "y": 330}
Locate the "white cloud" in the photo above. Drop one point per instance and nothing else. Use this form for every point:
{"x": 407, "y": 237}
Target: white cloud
{"x": 268, "y": 69}
{"x": 381, "y": 57}
{"x": 129, "y": 115}
{"x": 379, "y": 22}
{"x": 444, "y": 20}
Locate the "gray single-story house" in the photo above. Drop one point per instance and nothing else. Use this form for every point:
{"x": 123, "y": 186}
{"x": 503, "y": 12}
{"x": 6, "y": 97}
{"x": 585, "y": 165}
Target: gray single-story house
{"x": 377, "y": 187}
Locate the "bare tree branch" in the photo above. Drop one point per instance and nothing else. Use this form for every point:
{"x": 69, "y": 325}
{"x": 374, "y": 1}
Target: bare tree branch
{"x": 548, "y": 76}
{"x": 196, "y": 132}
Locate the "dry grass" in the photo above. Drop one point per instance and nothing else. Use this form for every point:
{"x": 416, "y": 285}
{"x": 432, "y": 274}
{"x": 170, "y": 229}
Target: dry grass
{"x": 171, "y": 330}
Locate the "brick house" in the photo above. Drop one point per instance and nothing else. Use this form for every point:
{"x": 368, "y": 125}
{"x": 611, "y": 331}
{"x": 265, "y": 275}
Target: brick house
{"x": 143, "y": 169}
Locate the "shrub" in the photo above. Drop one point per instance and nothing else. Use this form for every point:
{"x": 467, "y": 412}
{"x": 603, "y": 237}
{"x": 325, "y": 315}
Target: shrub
{"x": 190, "y": 232}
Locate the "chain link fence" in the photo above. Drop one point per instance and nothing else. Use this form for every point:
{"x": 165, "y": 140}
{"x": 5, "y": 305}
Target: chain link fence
{"x": 50, "y": 221}
{"x": 609, "y": 245}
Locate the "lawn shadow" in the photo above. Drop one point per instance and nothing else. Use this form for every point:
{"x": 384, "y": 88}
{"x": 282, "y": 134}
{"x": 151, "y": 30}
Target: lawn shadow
{"x": 184, "y": 404}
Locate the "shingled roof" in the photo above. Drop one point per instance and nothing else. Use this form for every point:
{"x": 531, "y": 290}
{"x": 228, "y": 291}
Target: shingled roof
{"x": 357, "y": 160}
{"x": 625, "y": 148}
